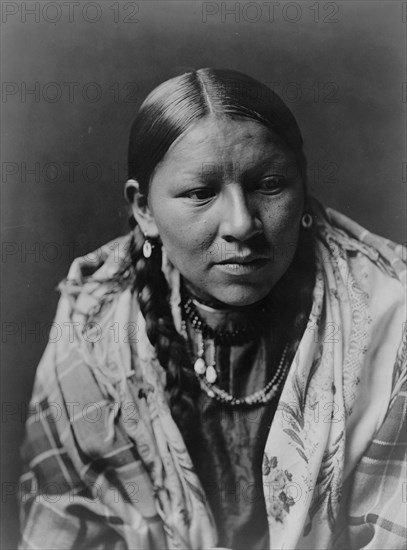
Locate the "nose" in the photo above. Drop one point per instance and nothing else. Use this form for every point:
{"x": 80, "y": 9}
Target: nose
{"x": 239, "y": 218}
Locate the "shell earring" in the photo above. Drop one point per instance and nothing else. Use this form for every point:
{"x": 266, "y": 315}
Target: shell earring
{"x": 147, "y": 247}
{"x": 307, "y": 220}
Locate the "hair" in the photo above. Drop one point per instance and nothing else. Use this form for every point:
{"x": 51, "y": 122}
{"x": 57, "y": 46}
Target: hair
{"x": 165, "y": 115}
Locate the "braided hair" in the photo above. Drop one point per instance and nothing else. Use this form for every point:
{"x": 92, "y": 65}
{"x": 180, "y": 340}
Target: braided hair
{"x": 166, "y": 114}
{"x": 153, "y": 297}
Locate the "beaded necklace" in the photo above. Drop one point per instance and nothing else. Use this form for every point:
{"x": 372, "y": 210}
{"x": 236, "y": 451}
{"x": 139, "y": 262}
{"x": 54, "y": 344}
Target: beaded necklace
{"x": 205, "y": 369}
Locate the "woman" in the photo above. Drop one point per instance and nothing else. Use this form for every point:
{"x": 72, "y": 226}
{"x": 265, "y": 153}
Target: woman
{"x": 231, "y": 373}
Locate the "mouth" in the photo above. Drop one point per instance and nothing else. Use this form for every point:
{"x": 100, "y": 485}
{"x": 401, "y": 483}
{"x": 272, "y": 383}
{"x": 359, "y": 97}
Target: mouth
{"x": 248, "y": 259}
{"x": 240, "y": 266}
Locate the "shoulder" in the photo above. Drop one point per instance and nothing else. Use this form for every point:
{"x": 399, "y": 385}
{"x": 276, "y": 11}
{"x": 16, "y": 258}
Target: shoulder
{"x": 370, "y": 269}
{"x": 365, "y": 285}
{"x": 98, "y": 277}
{"x": 351, "y": 238}
{"x": 94, "y": 306}
{"x": 102, "y": 264}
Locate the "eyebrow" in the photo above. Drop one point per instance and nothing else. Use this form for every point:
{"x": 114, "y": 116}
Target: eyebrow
{"x": 274, "y": 163}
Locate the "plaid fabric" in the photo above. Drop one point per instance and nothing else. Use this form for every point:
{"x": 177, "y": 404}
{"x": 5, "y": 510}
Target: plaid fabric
{"x": 100, "y": 469}
{"x": 65, "y": 496}
{"x": 106, "y": 466}
{"x": 376, "y": 503}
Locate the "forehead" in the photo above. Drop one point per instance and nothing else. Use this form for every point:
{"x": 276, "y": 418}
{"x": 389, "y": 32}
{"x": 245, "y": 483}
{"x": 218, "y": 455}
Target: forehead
{"x": 223, "y": 141}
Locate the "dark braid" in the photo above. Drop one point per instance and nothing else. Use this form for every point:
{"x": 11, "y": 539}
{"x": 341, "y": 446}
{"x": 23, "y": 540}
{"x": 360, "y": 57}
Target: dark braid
{"x": 153, "y": 296}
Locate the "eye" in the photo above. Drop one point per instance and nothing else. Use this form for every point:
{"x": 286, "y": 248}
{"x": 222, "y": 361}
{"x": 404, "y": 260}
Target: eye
{"x": 271, "y": 183}
{"x": 200, "y": 194}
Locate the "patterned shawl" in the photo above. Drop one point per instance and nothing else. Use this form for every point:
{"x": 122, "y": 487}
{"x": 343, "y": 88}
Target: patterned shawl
{"x": 106, "y": 466}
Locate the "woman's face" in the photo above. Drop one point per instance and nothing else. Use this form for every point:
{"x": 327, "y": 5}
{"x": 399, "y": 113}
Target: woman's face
{"x": 227, "y": 201}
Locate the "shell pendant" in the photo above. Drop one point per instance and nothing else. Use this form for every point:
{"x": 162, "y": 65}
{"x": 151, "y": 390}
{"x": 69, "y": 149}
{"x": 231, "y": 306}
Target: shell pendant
{"x": 200, "y": 366}
{"x": 147, "y": 249}
{"x": 210, "y": 374}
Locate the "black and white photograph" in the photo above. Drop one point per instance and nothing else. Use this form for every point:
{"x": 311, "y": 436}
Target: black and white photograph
{"x": 203, "y": 260}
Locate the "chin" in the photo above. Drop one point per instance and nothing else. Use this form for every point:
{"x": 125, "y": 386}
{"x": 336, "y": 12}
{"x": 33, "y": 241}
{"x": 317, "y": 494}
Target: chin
{"x": 240, "y": 297}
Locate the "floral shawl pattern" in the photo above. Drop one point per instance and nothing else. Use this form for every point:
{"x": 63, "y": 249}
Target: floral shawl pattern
{"x": 106, "y": 466}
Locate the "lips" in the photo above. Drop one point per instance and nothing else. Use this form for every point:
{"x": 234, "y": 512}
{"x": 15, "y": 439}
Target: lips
{"x": 243, "y": 259}
{"x": 242, "y": 266}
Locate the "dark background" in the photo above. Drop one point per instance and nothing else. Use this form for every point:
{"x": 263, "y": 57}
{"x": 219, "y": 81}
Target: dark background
{"x": 340, "y": 66}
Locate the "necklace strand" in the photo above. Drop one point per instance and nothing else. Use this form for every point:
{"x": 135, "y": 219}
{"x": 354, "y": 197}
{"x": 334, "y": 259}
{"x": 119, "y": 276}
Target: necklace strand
{"x": 260, "y": 397}
{"x": 207, "y": 374}
{"x": 234, "y": 337}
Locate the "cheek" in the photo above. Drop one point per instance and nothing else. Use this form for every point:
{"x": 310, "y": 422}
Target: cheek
{"x": 180, "y": 229}
{"x": 282, "y": 225}
{"x": 168, "y": 222}
{"x": 174, "y": 239}
{"x": 184, "y": 241}
{"x": 282, "y": 219}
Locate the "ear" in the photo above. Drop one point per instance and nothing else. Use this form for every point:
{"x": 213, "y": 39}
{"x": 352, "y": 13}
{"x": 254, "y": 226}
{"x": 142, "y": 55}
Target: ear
{"x": 140, "y": 208}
